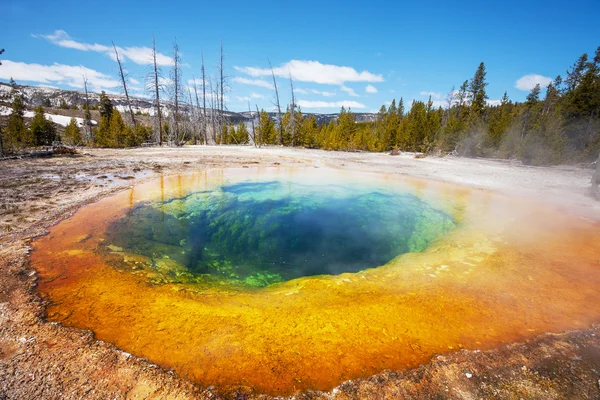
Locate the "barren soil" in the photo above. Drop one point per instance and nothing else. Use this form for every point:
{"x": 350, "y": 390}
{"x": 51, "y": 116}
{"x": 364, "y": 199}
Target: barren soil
{"x": 45, "y": 360}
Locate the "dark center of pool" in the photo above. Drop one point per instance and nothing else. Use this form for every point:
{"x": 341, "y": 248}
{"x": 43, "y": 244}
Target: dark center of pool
{"x": 259, "y": 233}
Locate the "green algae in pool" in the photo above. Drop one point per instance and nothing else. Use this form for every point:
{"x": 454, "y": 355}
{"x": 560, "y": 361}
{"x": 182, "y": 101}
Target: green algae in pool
{"x": 259, "y": 233}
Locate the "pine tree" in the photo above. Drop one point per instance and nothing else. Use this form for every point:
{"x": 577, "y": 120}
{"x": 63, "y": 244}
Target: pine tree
{"x": 16, "y": 136}
{"x": 231, "y": 134}
{"x": 73, "y": 134}
{"x": 43, "y": 131}
{"x": 102, "y": 134}
{"x": 266, "y": 129}
{"x": 500, "y": 120}
{"x": 242, "y": 134}
{"x": 345, "y": 131}
{"x": 105, "y": 106}
{"x": 310, "y": 132}
{"x": 477, "y": 88}
{"x": 401, "y": 108}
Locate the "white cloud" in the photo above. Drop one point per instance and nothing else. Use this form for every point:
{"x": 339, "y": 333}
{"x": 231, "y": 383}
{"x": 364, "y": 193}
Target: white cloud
{"x": 330, "y": 104}
{"x": 314, "y": 71}
{"x": 494, "y": 102}
{"x": 434, "y": 95}
{"x": 348, "y": 90}
{"x": 253, "y": 95}
{"x": 528, "y": 82}
{"x": 139, "y": 55}
{"x": 255, "y": 82}
{"x": 313, "y": 91}
{"x": 70, "y": 75}
{"x": 371, "y": 89}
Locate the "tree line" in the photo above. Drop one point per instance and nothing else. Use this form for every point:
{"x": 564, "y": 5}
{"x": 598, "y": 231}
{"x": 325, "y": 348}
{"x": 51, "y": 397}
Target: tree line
{"x": 556, "y": 124}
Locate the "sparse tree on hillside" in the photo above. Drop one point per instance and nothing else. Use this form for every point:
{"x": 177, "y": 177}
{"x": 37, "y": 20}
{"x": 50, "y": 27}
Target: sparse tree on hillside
{"x": 123, "y": 76}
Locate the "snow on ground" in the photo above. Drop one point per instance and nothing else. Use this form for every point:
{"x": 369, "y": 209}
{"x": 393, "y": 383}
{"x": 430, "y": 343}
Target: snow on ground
{"x": 57, "y": 119}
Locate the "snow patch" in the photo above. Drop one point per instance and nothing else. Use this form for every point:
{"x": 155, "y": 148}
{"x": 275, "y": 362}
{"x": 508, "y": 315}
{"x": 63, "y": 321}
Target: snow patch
{"x": 62, "y": 120}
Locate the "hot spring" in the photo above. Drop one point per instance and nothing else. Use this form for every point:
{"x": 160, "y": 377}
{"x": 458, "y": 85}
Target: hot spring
{"x": 290, "y": 279}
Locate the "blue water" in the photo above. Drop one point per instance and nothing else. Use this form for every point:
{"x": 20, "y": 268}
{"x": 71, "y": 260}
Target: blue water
{"x": 259, "y": 233}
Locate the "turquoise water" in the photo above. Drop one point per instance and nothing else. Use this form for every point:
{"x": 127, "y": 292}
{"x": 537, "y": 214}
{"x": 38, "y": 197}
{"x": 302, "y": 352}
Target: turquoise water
{"x": 260, "y": 233}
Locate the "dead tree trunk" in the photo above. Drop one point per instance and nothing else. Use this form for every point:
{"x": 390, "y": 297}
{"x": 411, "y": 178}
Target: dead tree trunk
{"x": 124, "y": 83}
{"x": 259, "y": 132}
{"x": 192, "y": 115}
{"x": 278, "y": 105}
{"x": 158, "y": 113}
{"x": 222, "y": 89}
{"x": 87, "y": 117}
{"x": 197, "y": 108}
{"x": 213, "y": 116}
{"x": 204, "y": 127}
{"x": 253, "y": 136}
{"x": 292, "y": 114}
{"x": 176, "y": 78}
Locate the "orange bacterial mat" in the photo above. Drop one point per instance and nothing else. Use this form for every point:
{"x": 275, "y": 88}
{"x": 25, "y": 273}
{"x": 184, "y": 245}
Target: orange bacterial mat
{"x": 509, "y": 270}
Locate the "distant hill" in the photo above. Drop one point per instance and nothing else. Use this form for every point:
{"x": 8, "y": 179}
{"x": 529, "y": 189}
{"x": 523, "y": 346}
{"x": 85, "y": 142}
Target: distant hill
{"x": 53, "y": 97}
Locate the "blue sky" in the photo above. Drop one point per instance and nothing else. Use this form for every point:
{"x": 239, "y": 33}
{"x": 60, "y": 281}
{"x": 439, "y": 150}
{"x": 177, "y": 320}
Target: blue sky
{"x": 360, "y": 54}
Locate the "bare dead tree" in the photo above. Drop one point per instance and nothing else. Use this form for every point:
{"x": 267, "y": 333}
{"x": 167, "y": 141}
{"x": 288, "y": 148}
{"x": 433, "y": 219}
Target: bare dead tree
{"x": 204, "y": 127}
{"x": 278, "y": 105}
{"x": 221, "y": 86}
{"x": 176, "y": 90}
{"x": 87, "y": 117}
{"x": 253, "y": 134}
{"x": 192, "y": 115}
{"x": 123, "y": 75}
{"x": 203, "y": 133}
{"x": 450, "y": 101}
{"x": 292, "y": 112}
{"x": 154, "y": 87}
{"x": 212, "y": 105}
{"x": 259, "y": 132}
